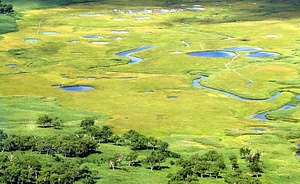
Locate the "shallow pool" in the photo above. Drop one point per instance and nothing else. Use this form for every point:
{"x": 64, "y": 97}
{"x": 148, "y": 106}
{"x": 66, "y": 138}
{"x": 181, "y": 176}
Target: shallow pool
{"x": 77, "y": 88}
{"x": 242, "y": 48}
{"x": 50, "y": 33}
{"x": 31, "y": 40}
{"x": 212, "y": 54}
{"x": 262, "y": 54}
{"x": 92, "y": 36}
{"x": 12, "y": 65}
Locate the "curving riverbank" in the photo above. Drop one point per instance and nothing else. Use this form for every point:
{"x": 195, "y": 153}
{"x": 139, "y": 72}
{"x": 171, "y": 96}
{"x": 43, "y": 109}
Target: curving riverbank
{"x": 132, "y": 58}
{"x": 196, "y": 83}
{"x": 260, "y": 116}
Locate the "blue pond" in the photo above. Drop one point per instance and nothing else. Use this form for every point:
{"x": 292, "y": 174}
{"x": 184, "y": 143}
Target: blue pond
{"x": 195, "y": 9}
{"x": 12, "y": 65}
{"x": 92, "y": 36}
{"x": 258, "y": 129}
{"x": 242, "y": 48}
{"x": 198, "y": 85}
{"x": 262, "y": 54}
{"x": 77, "y": 88}
{"x": 298, "y": 154}
{"x": 31, "y": 40}
{"x": 172, "y": 97}
{"x": 50, "y": 33}
{"x": 212, "y": 54}
{"x": 132, "y": 58}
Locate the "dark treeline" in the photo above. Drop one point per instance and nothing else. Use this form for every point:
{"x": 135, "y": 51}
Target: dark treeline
{"x": 6, "y": 8}
{"x": 26, "y": 168}
{"x": 69, "y": 152}
{"x": 211, "y": 164}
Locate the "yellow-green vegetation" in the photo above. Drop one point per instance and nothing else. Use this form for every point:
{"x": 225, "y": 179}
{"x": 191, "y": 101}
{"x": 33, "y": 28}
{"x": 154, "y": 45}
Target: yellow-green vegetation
{"x": 197, "y": 120}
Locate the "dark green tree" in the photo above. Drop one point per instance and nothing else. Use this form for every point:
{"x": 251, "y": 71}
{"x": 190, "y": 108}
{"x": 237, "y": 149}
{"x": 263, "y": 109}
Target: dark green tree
{"x": 255, "y": 164}
{"x": 44, "y": 121}
{"x": 3, "y": 135}
{"x": 105, "y": 133}
{"x": 151, "y": 160}
{"x": 233, "y": 162}
{"x": 116, "y": 139}
{"x": 116, "y": 160}
{"x": 131, "y": 157}
{"x": 153, "y": 142}
{"x": 162, "y": 146}
{"x": 160, "y": 157}
{"x": 87, "y": 122}
{"x": 6, "y": 8}
{"x": 239, "y": 177}
{"x": 245, "y": 153}
{"x": 56, "y": 123}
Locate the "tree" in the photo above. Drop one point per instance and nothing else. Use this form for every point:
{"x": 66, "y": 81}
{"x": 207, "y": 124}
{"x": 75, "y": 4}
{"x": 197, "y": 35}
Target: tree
{"x": 151, "y": 159}
{"x": 131, "y": 157}
{"x": 153, "y": 142}
{"x": 105, "y": 133}
{"x": 239, "y": 177}
{"x": 56, "y": 122}
{"x": 160, "y": 157}
{"x": 3, "y": 136}
{"x": 6, "y": 8}
{"x": 233, "y": 162}
{"x": 44, "y": 120}
{"x": 135, "y": 140}
{"x": 116, "y": 139}
{"x": 162, "y": 146}
{"x": 255, "y": 164}
{"x": 11, "y": 174}
{"x": 85, "y": 172}
{"x": 245, "y": 153}
{"x": 10, "y": 144}
{"x": 46, "y": 145}
{"x": 201, "y": 168}
{"x": 87, "y": 122}
{"x": 115, "y": 160}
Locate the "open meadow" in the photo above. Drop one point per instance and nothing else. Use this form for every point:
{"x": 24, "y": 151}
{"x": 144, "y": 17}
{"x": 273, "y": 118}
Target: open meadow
{"x": 81, "y": 45}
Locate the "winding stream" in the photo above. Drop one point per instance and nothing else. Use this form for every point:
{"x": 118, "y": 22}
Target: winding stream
{"x": 260, "y": 116}
{"x": 196, "y": 83}
{"x": 132, "y": 58}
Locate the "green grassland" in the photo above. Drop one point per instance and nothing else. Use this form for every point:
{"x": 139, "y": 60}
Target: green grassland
{"x": 198, "y": 119}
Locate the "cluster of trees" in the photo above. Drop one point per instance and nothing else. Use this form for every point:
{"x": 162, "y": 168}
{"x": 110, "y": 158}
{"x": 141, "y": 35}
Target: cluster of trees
{"x": 6, "y": 8}
{"x": 46, "y": 121}
{"x": 74, "y": 145}
{"x": 134, "y": 140}
{"x": 211, "y": 164}
{"x": 253, "y": 162}
{"x": 28, "y": 169}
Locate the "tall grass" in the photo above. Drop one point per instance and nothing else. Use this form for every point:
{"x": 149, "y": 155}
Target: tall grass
{"x": 7, "y": 24}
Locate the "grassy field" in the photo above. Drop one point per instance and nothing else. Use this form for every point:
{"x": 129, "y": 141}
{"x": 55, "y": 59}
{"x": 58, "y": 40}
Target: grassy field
{"x": 195, "y": 121}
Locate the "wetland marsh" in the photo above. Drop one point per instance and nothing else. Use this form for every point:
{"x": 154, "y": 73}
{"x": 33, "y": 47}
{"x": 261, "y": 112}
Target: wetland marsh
{"x": 149, "y": 81}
